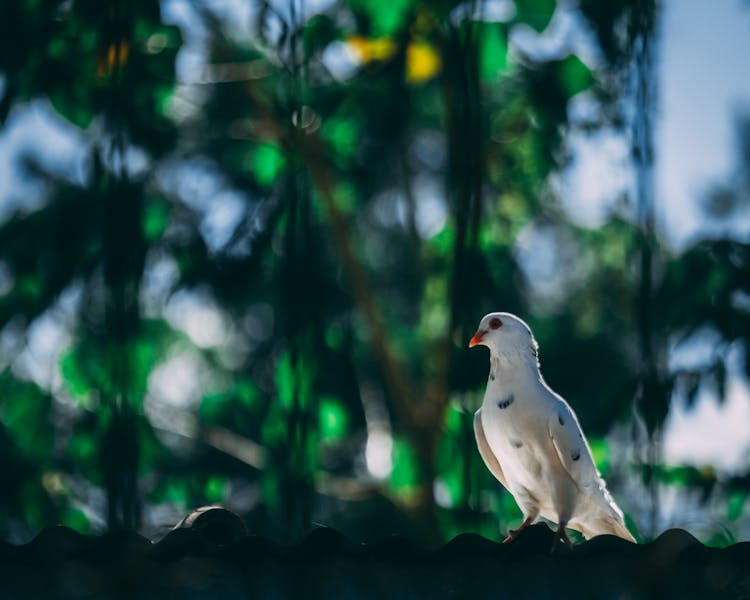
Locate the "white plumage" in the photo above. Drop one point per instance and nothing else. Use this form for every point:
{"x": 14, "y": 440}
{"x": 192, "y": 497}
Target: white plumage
{"x": 531, "y": 441}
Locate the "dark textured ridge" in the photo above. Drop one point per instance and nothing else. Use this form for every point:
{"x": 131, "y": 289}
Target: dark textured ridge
{"x": 325, "y": 542}
{"x": 468, "y": 545}
{"x": 207, "y": 562}
{"x": 394, "y": 548}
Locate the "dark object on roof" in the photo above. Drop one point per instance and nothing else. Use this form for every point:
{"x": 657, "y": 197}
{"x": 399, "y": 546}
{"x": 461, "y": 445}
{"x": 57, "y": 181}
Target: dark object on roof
{"x": 210, "y": 560}
{"x": 216, "y": 524}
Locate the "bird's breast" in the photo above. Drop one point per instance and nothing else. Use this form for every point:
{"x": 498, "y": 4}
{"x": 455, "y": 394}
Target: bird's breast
{"x": 519, "y": 438}
{"x": 513, "y": 412}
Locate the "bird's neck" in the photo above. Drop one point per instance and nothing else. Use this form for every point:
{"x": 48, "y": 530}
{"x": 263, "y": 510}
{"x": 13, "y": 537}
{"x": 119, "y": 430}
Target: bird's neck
{"x": 513, "y": 368}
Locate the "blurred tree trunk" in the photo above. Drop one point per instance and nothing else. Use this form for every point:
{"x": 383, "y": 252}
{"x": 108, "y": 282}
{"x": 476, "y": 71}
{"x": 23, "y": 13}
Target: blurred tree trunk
{"x": 653, "y": 395}
{"x": 123, "y": 261}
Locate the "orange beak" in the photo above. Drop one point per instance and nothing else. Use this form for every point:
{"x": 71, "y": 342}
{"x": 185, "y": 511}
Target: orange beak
{"x": 477, "y": 339}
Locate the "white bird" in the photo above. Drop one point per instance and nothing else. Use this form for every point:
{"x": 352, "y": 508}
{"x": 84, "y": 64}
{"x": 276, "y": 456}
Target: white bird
{"x": 531, "y": 441}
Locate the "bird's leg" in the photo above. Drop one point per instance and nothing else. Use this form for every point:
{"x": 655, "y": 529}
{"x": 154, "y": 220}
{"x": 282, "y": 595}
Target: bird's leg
{"x": 513, "y": 533}
{"x": 560, "y": 536}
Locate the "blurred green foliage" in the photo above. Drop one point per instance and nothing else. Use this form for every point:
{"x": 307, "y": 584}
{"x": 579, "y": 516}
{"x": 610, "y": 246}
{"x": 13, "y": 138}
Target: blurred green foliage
{"x": 342, "y": 195}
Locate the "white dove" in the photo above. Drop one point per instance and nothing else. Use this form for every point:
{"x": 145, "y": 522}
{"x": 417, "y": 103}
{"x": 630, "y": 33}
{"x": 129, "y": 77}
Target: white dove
{"x": 531, "y": 441}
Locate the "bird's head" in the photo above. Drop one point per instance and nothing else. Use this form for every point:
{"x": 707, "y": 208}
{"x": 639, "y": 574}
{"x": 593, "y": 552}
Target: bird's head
{"x": 504, "y": 333}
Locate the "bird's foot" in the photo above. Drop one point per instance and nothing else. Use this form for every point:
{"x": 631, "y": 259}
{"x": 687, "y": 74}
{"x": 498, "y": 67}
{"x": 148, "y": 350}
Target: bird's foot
{"x": 560, "y": 537}
{"x": 513, "y": 533}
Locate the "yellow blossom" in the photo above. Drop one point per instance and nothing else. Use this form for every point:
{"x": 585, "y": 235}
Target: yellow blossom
{"x": 369, "y": 49}
{"x": 422, "y": 62}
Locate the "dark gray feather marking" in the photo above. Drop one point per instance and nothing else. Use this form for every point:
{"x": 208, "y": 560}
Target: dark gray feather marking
{"x": 560, "y": 419}
{"x": 492, "y": 376}
{"x": 576, "y": 455}
{"x": 516, "y": 443}
{"x": 506, "y": 402}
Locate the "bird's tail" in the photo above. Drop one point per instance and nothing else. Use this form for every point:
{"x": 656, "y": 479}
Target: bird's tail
{"x": 608, "y": 526}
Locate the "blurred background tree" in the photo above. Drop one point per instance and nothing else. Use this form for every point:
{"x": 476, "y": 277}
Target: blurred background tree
{"x": 251, "y": 276}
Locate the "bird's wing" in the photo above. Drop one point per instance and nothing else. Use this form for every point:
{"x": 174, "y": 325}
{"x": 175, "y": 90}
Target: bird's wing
{"x": 575, "y": 456}
{"x": 485, "y": 451}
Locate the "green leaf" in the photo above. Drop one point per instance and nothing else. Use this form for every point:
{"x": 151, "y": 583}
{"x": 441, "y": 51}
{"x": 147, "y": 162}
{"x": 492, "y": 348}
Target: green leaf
{"x": 345, "y": 197}
{"x": 509, "y": 509}
{"x": 76, "y": 519}
{"x": 247, "y": 392}
{"x": 220, "y": 406}
{"x": 343, "y": 134}
{"x": 453, "y": 419}
{"x": 151, "y": 451}
{"x": 29, "y": 286}
{"x": 722, "y": 538}
{"x": 735, "y": 503}
{"x": 405, "y": 474}
{"x": 334, "y": 336}
{"x": 76, "y": 110}
{"x": 216, "y": 489}
{"x": 685, "y": 475}
{"x": 574, "y": 76}
{"x": 31, "y": 498}
{"x": 75, "y": 380}
{"x": 333, "y": 420}
{"x": 285, "y": 380}
{"x": 493, "y": 49}
{"x": 443, "y": 242}
{"x": 87, "y": 367}
{"x": 386, "y": 18}
{"x": 267, "y": 163}
{"x": 600, "y": 452}
{"x": 274, "y": 430}
{"x": 175, "y": 491}
{"x": 25, "y": 411}
{"x": 212, "y": 406}
{"x": 81, "y": 446}
{"x": 535, "y": 13}
{"x": 269, "y": 487}
{"x": 155, "y": 220}
{"x": 82, "y": 451}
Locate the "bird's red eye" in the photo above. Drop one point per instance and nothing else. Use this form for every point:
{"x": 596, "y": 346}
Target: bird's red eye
{"x": 495, "y": 323}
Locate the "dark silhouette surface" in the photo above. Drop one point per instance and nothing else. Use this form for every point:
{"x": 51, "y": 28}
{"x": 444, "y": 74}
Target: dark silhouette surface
{"x": 211, "y": 556}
